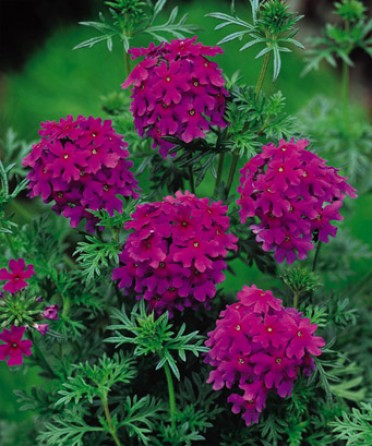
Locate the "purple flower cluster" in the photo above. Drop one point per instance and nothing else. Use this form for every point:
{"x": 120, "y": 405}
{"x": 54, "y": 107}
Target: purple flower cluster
{"x": 294, "y": 195}
{"x": 81, "y": 165}
{"x": 177, "y": 91}
{"x": 175, "y": 256}
{"x": 257, "y": 347}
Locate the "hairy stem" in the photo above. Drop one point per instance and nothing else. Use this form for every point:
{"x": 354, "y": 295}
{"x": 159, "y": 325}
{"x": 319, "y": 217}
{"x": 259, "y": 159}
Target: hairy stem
{"x": 316, "y": 256}
{"x": 262, "y": 75}
{"x": 111, "y": 427}
{"x": 219, "y": 172}
{"x": 172, "y": 396}
{"x": 234, "y": 164}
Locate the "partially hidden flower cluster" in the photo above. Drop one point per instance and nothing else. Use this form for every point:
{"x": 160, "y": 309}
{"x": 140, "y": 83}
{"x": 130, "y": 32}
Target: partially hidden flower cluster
{"x": 80, "y": 165}
{"x": 175, "y": 256}
{"x": 295, "y": 196}
{"x": 19, "y": 312}
{"x": 177, "y": 91}
{"x": 258, "y": 347}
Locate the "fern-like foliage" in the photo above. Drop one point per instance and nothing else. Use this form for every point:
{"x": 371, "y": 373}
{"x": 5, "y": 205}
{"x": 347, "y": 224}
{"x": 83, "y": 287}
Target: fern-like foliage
{"x": 156, "y": 336}
{"x": 273, "y": 27}
{"x": 355, "y": 428}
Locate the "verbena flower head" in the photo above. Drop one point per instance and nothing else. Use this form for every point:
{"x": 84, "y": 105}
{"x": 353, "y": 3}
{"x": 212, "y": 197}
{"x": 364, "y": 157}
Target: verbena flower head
{"x": 14, "y": 348}
{"x": 16, "y": 275}
{"x": 80, "y": 165}
{"x": 175, "y": 257}
{"x": 177, "y": 91}
{"x": 258, "y": 347}
{"x": 294, "y": 195}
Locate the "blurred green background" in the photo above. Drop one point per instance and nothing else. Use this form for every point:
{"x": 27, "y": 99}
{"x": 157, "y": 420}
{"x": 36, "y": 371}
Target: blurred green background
{"x": 55, "y": 81}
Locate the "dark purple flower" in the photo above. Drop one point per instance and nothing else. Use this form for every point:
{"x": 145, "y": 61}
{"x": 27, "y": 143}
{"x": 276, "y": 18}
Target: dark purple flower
{"x": 294, "y": 195}
{"x": 81, "y": 165}
{"x": 259, "y": 347}
{"x": 176, "y": 91}
{"x": 174, "y": 259}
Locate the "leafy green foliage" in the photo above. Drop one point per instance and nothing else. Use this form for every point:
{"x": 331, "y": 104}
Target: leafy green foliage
{"x": 90, "y": 381}
{"x": 130, "y": 18}
{"x": 155, "y": 336}
{"x": 273, "y": 27}
{"x": 95, "y": 254}
{"x": 341, "y": 39}
{"x": 355, "y": 427}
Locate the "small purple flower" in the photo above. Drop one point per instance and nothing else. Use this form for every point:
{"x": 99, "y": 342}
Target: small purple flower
{"x": 14, "y": 347}
{"x": 261, "y": 347}
{"x": 41, "y": 328}
{"x": 176, "y": 91}
{"x": 16, "y": 275}
{"x": 51, "y": 312}
{"x": 294, "y": 195}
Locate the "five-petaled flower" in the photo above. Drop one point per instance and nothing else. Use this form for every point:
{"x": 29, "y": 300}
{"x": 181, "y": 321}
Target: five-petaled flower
{"x": 14, "y": 347}
{"x": 16, "y": 275}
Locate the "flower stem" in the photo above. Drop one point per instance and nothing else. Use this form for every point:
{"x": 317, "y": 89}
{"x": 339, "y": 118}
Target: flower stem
{"x": 234, "y": 163}
{"x": 106, "y": 409}
{"x": 172, "y": 397}
{"x": 262, "y": 75}
{"x": 296, "y": 298}
{"x": 11, "y": 245}
{"x": 41, "y": 357}
{"x": 127, "y": 62}
{"x": 219, "y": 172}
{"x": 345, "y": 91}
{"x": 191, "y": 176}
{"x": 316, "y": 256}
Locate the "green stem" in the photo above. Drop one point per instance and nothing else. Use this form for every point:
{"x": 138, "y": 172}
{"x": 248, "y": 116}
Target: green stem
{"x": 172, "y": 397}
{"x": 40, "y": 355}
{"x": 296, "y": 298}
{"x": 106, "y": 409}
{"x": 262, "y": 75}
{"x": 11, "y": 245}
{"x": 191, "y": 177}
{"x": 66, "y": 307}
{"x": 234, "y": 164}
{"x": 219, "y": 172}
{"x": 345, "y": 91}
{"x": 316, "y": 256}
{"x": 127, "y": 63}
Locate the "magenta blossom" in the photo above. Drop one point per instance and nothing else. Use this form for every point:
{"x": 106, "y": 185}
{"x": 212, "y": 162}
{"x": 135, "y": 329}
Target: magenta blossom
{"x": 175, "y": 257}
{"x": 16, "y": 275}
{"x": 294, "y": 195}
{"x": 177, "y": 91}
{"x": 81, "y": 165}
{"x": 258, "y": 347}
{"x": 51, "y": 312}
{"x": 14, "y": 348}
